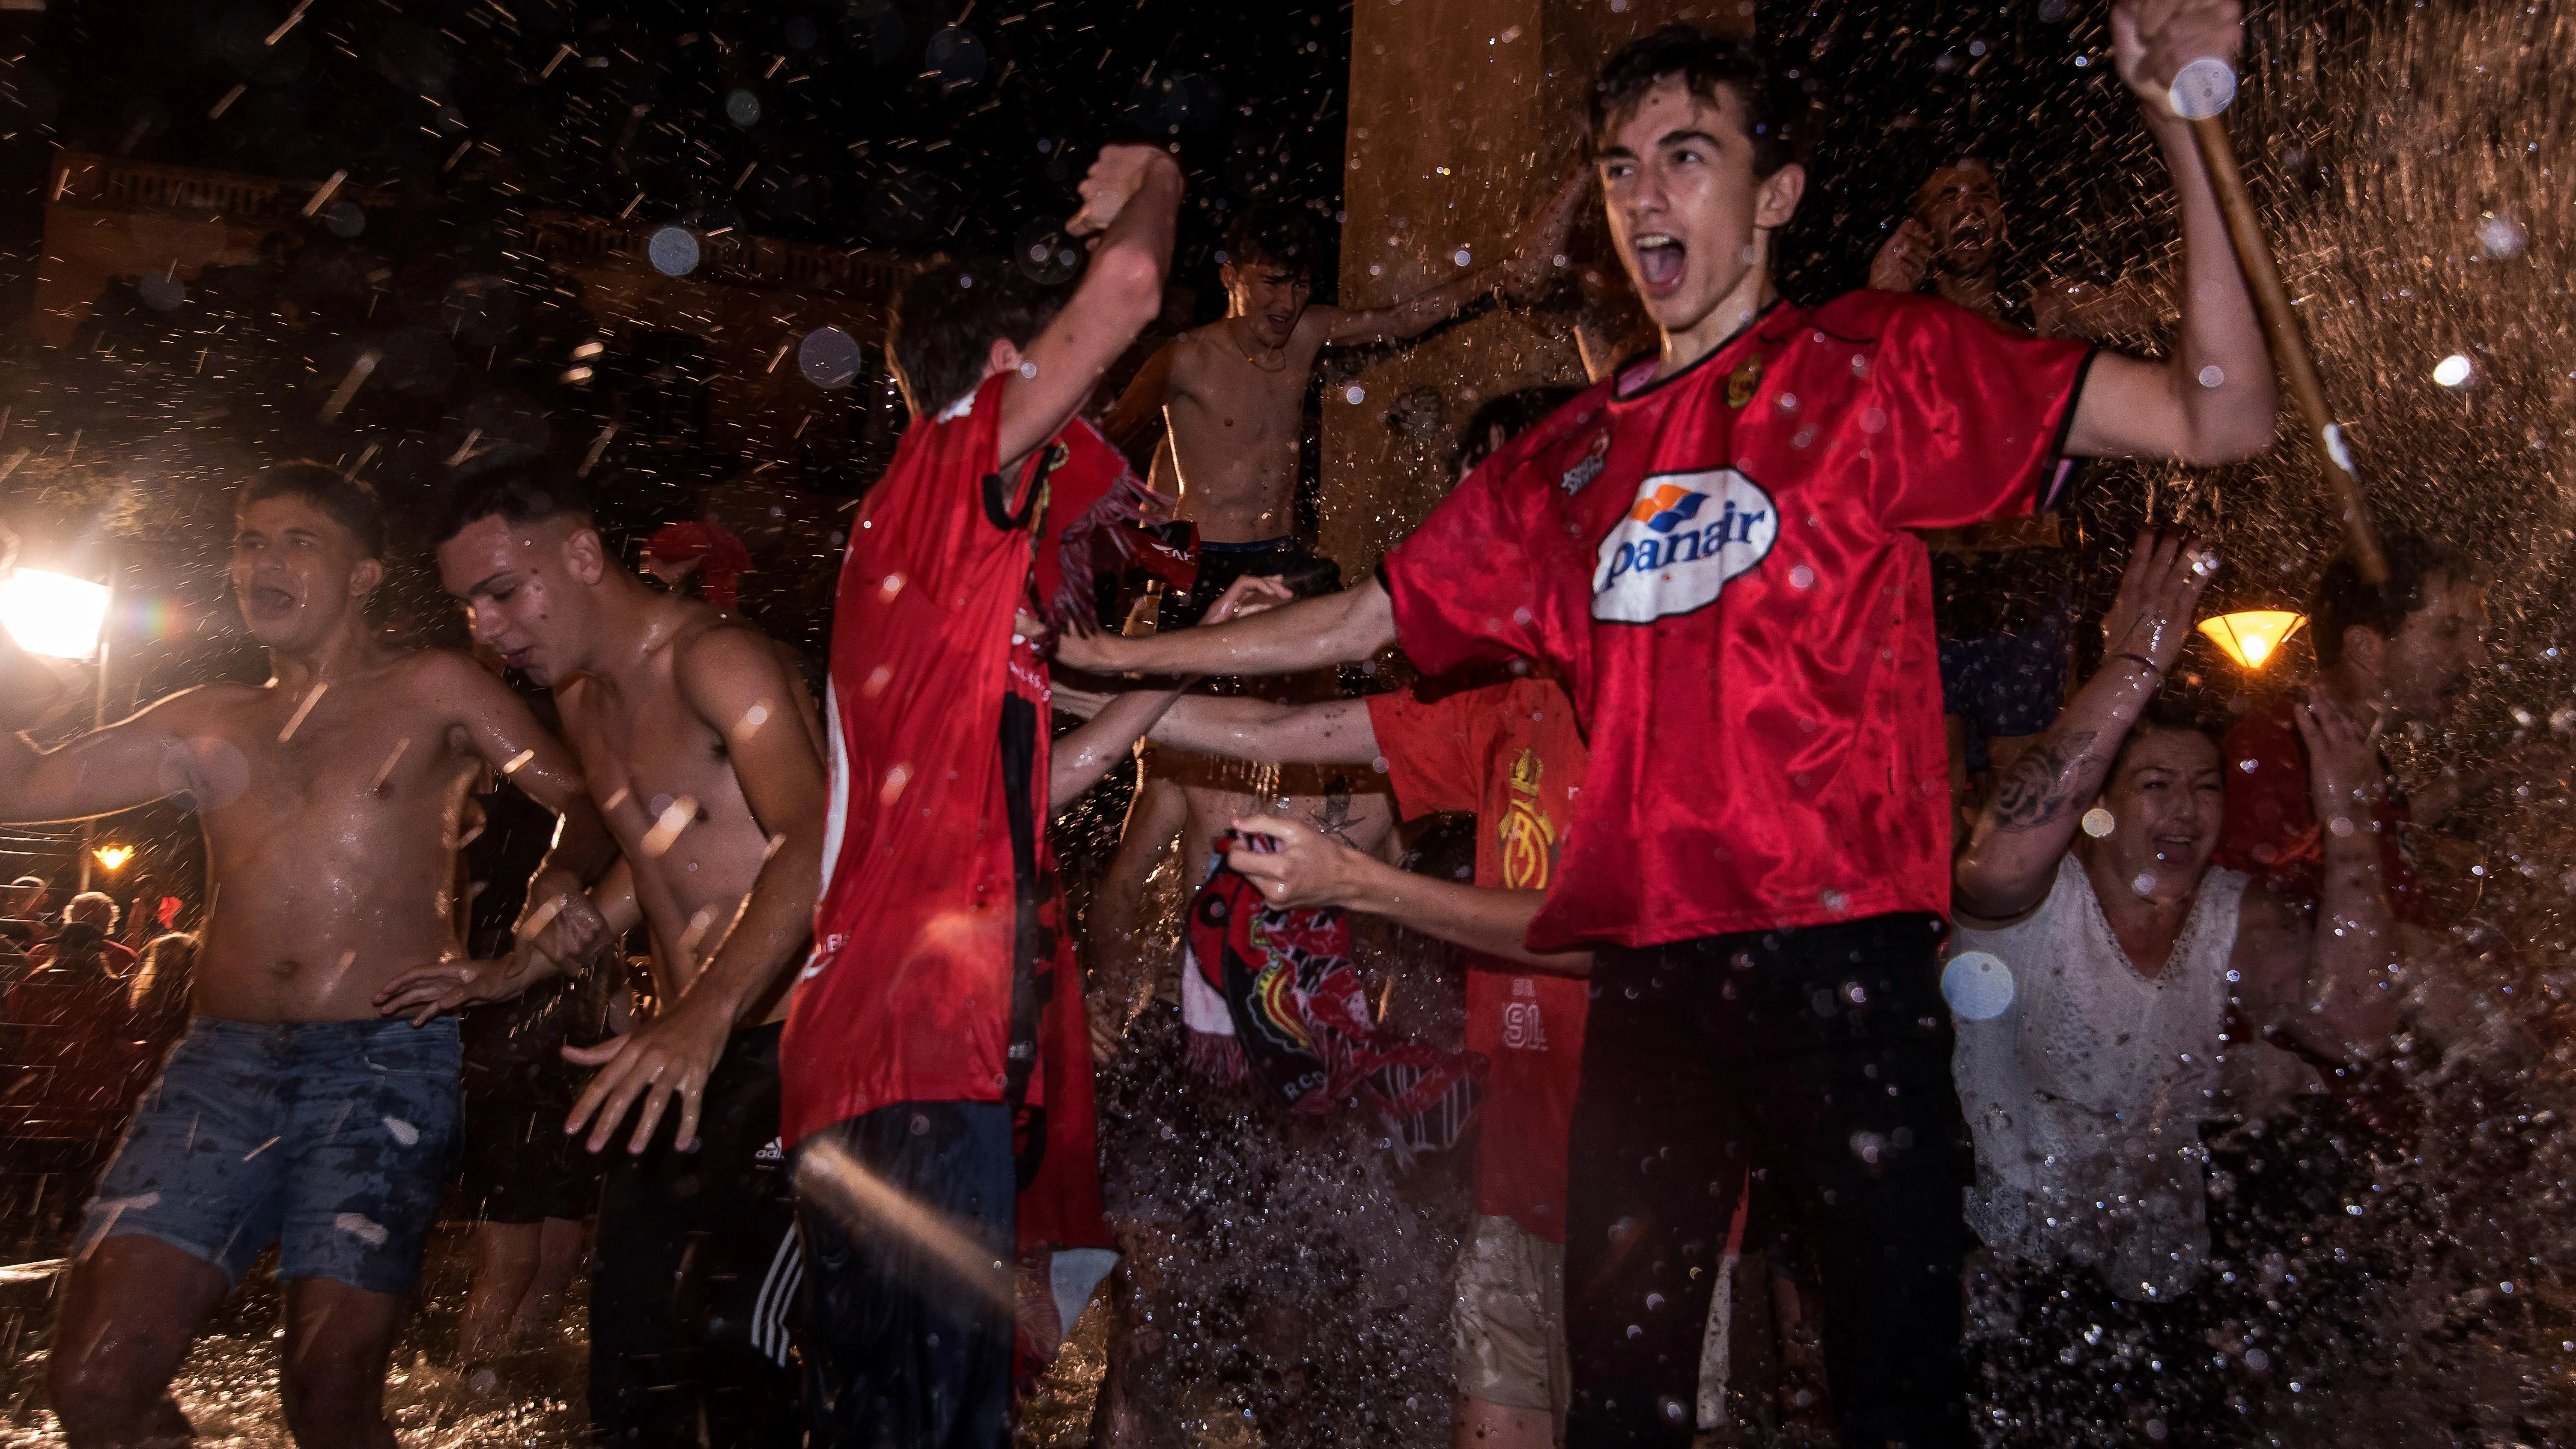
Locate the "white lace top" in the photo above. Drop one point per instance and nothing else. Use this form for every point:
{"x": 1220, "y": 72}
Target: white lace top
{"x": 2086, "y": 1093}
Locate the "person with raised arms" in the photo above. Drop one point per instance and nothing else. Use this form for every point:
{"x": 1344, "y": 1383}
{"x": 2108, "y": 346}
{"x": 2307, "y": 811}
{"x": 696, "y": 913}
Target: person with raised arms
{"x": 1712, "y": 551}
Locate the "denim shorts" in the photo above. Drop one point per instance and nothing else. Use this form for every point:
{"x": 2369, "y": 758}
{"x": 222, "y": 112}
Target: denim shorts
{"x": 332, "y": 1139}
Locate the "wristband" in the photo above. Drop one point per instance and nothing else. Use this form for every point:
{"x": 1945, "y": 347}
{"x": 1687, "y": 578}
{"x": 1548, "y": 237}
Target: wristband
{"x": 2142, "y": 659}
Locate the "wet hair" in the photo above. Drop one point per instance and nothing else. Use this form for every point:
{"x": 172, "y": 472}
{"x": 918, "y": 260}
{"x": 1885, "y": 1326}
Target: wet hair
{"x": 92, "y": 903}
{"x": 2162, "y": 716}
{"x": 2415, "y": 564}
{"x": 334, "y": 494}
{"x": 1777, "y": 115}
{"x": 1513, "y": 412}
{"x": 1275, "y": 236}
{"x": 950, "y": 315}
{"x": 518, "y": 496}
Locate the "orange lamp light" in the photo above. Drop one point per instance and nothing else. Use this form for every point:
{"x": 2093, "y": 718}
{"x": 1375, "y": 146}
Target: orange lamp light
{"x": 114, "y": 857}
{"x": 2252, "y": 636}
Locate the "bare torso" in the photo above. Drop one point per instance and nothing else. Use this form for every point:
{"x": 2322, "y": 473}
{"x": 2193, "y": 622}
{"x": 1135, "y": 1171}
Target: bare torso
{"x": 330, "y": 821}
{"x": 664, "y": 781}
{"x": 1237, "y": 423}
{"x": 1346, "y": 802}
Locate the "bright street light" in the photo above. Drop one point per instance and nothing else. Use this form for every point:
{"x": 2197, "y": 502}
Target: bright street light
{"x": 2250, "y": 637}
{"x": 53, "y": 614}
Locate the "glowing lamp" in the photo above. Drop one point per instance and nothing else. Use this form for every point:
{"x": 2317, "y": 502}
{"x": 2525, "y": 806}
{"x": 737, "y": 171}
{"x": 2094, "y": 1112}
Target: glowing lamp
{"x": 113, "y": 857}
{"x": 53, "y": 614}
{"x": 2250, "y": 636}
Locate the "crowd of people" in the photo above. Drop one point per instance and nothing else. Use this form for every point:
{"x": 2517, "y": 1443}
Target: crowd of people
{"x": 1733, "y": 1001}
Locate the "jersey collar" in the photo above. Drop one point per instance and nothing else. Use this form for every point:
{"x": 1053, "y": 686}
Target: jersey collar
{"x": 1713, "y": 354}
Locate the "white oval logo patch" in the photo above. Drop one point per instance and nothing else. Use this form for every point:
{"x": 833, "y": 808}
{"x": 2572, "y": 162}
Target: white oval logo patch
{"x": 1682, "y": 539}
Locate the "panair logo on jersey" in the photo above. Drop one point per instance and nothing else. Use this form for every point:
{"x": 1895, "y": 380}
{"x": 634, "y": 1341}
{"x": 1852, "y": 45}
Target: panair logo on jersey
{"x": 1687, "y": 534}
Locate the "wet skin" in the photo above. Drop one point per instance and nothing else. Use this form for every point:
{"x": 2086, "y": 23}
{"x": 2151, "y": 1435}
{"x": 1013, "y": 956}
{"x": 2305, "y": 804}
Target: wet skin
{"x": 330, "y": 818}
{"x": 331, "y": 858}
{"x": 701, "y": 747}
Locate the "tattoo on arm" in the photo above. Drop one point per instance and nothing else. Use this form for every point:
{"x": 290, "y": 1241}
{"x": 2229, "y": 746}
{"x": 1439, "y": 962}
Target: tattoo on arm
{"x": 2045, "y": 781}
{"x": 1334, "y": 818}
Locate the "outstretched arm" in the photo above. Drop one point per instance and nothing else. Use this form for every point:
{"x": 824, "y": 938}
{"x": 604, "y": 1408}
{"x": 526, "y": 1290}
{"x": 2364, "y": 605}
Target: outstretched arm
{"x": 1532, "y": 259}
{"x": 1343, "y": 628}
{"x": 735, "y": 683}
{"x": 1310, "y": 869}
{"x": 2214, "y": 400}
{"x": 1131, "y": 197}
{"x": 1078, "y": 758}
{"x": 2024, "y": 830}
{"x": 1330, "y": 732}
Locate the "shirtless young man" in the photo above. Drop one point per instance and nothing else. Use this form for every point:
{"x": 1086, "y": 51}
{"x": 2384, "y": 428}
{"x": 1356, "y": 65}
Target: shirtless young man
{"x": 706, "y": 757}
{"x": 1233, "y": 393}
{"x": 292, "y": 1113}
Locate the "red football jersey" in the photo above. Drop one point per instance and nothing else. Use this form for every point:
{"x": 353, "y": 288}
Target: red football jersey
{"x": 2271, "y": 827}
{"x": 1510, "y": 752}
{"x": 907, "y": 997}
{"x": 1717, "y": 566}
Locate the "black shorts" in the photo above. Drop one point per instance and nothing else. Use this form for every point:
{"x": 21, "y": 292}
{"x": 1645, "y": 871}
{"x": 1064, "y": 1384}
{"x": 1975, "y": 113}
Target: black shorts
{"x": 695, "y": 1273}
{"x": 1815, "y": 1064}
{"x": 519, "y": 1165}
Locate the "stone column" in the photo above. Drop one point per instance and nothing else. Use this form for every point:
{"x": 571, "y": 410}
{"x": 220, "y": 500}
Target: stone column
{"x": 1464, "y": 116}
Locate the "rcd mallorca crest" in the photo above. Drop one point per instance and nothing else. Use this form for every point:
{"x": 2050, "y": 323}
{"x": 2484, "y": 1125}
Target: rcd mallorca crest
{"x": 1684, "y": 537}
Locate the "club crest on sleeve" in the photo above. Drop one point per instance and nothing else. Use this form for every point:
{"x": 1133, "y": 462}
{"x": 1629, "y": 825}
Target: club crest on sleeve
{"x": 1678, "y": 544}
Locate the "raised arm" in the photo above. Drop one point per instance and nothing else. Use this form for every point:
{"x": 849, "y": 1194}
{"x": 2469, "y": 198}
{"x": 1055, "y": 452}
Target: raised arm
{"x": 1310, "y": 869}
{"x": 2026, "y": 827}
{"x": 1343, "y": 628}
{"x": 2339, "y": 996}
{"x": 736, "y": 683}
{"x": 1520, "y": 273}
{"x": 1131, "y": 197}
{"x": 2214, "y": 400}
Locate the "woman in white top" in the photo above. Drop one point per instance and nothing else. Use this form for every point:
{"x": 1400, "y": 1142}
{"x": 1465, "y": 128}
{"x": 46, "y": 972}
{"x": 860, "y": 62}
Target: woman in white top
{"x": 2094, "y": 985}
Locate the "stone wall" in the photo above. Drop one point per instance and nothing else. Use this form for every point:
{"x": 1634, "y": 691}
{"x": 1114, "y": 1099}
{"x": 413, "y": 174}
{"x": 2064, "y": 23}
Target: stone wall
{"x": 1464, "y": 117}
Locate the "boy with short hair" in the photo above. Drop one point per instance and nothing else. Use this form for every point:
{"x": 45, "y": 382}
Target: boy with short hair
{"x": 1712, "y": 550}
{"x": 1233, "y": 393}
{"x": 915, "y": 1035}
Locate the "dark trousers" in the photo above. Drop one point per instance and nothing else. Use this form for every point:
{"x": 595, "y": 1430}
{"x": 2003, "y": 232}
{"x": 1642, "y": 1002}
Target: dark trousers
{"x": 907, "y": 1219}
{"x": 694, "y": 1278}
{"x": 1814, "y": 1063}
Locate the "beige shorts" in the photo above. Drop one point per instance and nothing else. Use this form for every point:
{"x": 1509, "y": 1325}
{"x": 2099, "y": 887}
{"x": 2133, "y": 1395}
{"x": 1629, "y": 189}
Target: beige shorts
{"x": 1511, "y": 1319}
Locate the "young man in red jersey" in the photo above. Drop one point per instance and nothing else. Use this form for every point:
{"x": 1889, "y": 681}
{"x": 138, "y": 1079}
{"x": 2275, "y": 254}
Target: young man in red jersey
{"x": 1710, "y": 550}
{"x": 1506, "y": 749}
{"x": 914, "y": 1033}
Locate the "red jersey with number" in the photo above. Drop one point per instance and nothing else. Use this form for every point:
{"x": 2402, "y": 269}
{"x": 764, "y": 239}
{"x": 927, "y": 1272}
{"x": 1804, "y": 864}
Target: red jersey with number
{"x": 2271, "y": 827}
{"x": 907, "y": 997}
{"x": 1717, "y": 565}
{"x": 1511, "y": 753}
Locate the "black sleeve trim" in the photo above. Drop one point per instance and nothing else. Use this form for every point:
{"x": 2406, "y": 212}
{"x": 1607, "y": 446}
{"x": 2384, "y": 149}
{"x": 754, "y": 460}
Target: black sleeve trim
{"x": 2056, "y": 484}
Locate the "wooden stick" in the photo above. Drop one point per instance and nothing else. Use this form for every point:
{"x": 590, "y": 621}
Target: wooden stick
{"x": 2289, "y": 348}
